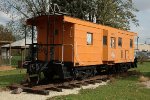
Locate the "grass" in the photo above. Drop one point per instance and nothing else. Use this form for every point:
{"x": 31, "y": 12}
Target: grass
{"x": 14, "y": 60}
{"x": 122, "y": 89}
{"x": 144, "y": 69}
{"x": 10, "y": 77}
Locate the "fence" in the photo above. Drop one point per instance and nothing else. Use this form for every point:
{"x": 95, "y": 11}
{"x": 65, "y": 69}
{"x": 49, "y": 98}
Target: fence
{"x": 10, "y": 61}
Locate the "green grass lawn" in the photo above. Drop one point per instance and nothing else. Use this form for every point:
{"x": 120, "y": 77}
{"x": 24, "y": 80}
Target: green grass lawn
{"x": 121, "y": 89}
{"x": 10, "y": 77}
{"x": 14, "y": 60}
{"x": 144, "y": 69}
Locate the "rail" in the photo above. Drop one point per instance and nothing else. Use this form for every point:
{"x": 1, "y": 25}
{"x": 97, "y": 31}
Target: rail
{"x": 41, "y": 48}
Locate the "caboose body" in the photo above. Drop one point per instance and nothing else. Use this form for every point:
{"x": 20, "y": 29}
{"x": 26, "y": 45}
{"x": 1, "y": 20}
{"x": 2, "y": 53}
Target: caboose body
{"x": 71, "y": 48}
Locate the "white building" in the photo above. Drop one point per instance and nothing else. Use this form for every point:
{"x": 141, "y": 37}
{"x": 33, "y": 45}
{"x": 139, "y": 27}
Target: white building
{"x": 144, "y": 47}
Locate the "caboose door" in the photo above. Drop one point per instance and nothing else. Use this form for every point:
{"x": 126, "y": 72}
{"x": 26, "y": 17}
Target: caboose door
{"x": 126, "y": 54}
{"x": 55, "y": 47}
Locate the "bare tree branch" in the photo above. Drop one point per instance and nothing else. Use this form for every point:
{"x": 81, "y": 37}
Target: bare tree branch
{"x": 17, "y": 8}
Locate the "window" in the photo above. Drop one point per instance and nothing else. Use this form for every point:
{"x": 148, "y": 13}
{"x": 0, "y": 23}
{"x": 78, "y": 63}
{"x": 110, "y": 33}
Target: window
{"x": 120, "y": 42}
{"x": 121, "y": 53}
{"x": 104, "y": 40}
{"x": 89, "y": 38}
{"x": 131, "y": 43}
{"x": 112, "y": 42}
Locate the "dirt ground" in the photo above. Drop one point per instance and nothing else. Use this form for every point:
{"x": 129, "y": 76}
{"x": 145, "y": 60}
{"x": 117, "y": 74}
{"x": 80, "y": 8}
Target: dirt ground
{"x": 4, "y": 68}
{"x": 146, "y": 84}
{"x": 144, "y": 81}
{"x": 6, "y": 95}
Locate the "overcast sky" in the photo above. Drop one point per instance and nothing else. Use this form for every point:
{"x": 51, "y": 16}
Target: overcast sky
{"x": 3, "y": 18}
{"x": 144, "y": 20}
{"x": 143, "y": 16}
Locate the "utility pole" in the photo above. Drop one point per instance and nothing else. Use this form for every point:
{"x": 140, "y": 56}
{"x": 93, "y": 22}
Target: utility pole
{"x": 137, "y": 43}
{"x": 148, "y": 44}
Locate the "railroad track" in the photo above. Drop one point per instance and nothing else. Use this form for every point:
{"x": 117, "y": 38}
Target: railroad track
{"x": 44, "y": 89}
{"x": 58, "y": 86}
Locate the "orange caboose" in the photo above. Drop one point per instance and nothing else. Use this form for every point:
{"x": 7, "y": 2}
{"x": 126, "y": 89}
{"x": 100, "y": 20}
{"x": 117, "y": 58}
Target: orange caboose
{"x": 73, "y": 48}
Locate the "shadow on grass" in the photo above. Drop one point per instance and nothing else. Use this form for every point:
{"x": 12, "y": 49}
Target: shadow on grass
{"x": 10, "y": 79}
{"x": 146, "y": 74}
{"x": 134, "y": 78}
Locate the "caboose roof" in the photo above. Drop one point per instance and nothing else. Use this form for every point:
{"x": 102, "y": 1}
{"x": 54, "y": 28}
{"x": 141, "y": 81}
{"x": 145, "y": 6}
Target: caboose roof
{"x": 87, "y": 23}
{"x": 76, "y": 21}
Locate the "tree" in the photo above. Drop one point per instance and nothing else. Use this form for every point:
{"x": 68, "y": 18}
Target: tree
{"x": 115, "y": 13}
{"x": 83, "y": 9}
{"x": 17, "y": 28}
{"x": 6, "y": 34}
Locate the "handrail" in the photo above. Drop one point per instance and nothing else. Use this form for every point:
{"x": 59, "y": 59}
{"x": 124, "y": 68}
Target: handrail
{"x": 54, "y": 45}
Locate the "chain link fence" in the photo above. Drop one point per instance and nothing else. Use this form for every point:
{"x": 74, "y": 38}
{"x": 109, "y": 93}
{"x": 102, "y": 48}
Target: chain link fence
{"x": 10, "y": 61}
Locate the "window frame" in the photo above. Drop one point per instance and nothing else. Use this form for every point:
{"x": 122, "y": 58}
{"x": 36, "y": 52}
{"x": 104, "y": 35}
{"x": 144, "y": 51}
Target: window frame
{"x": 131, "y": 43}
{"x": 104, "y": 40}
{"x": 119, "y": 42}
{"x": 122, "y": 54}
{"x": 91, "y": 38}
{"x": 111, "y": 42}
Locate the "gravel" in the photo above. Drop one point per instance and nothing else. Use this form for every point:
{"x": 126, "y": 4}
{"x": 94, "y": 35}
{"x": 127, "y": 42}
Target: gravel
{"x": 147, "y": 84}
{"x": 6, "y": 95}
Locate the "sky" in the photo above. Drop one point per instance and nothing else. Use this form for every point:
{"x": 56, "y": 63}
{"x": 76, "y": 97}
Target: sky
{"x": 4, "y": 18}
{"x": 143, "y": 16}
{"x": 144, "y": 20}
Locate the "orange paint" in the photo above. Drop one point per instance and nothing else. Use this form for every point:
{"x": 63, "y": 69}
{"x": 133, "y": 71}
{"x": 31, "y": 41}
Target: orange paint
{"x": 75, "y": 45}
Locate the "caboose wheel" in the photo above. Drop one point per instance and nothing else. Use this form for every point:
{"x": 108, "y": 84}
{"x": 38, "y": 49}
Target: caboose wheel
{"x": 34, "y": 80}
{"x": 48, "y": 75}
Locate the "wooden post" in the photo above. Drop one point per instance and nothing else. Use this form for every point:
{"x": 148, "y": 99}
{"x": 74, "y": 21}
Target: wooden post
{"x": 0, "y": 57}
{"x": 10, "y": 54}
{"x": 21, "y": 58}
